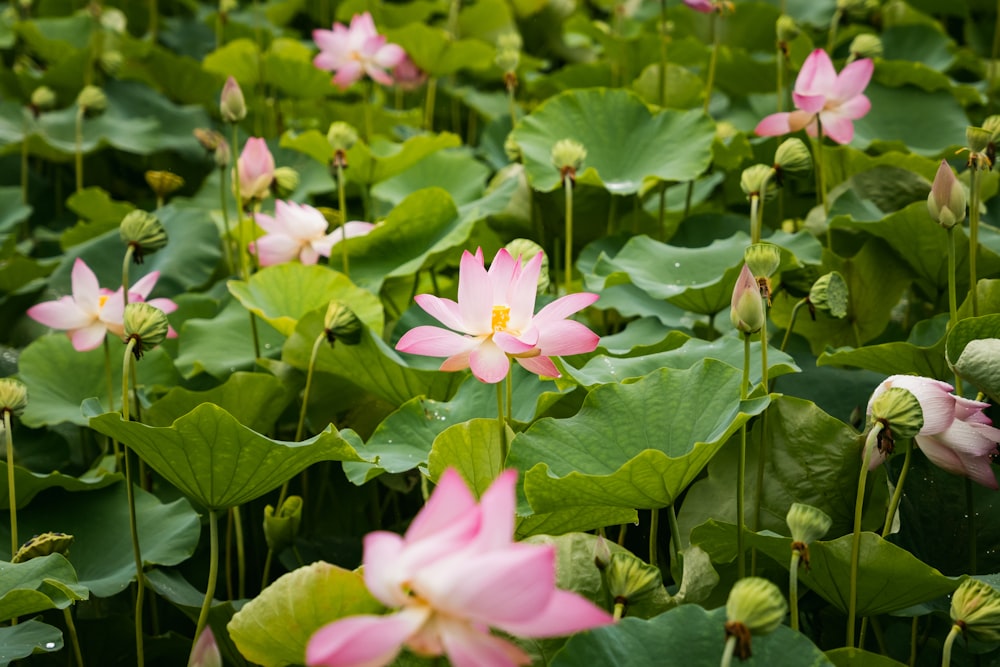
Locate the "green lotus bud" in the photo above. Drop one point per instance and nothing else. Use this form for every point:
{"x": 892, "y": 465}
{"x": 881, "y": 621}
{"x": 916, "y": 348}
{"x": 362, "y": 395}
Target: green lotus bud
{"x": 221, "y": 155}
{"x": 762, "y": 258}
{"x": 43, "y": 545}
{"x": 975, "y": 607}
{"x": 866, "y": 45}
{"x": 43, "y": 98}
{"x": 526, "y": 249}
{"x": 755, "y": 607}
{"x": 807, "y": 523}
{"x": 111, "y": 62}
{"x": 114, "y": 19}
{"x": 286, "y": 180}
{"x": 900, "y": 410}
{"x": 568, "y": 156}
{"x": 92, "y": 99}
{"x": 281, "y": 528}
{"x": 946, "y": 200}
{"x": 757, "y": 180}
{"x": 508, "y": 59}
{"x": 829, "y": 293}
{"x": 341, "y": 324}
{"x": 163, "y": 183}
{"x": 143, "y": 232}
{"x": 786, "y": 29}
{"x": 630, "y": 579}
{"x": 977, "y": 139}
{"x": 747, "y": 310}
{"x": 232, "y": 104}
{"x": 793, "y": 157}
{"x": 13, "y": 396}
{"x": 146, "y": 325}
{"x": 602, "y": 553}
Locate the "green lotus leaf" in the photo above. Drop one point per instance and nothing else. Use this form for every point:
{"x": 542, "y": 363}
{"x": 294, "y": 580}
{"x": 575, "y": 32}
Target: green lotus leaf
{"x": 573, "y": 520}
{"x": 28, "y": 637}
{"x": 13, "y": 210}
{"x": 29, "y": 484}
{"x": 239, "y": 59}
{"x": 274, "y": 628}
{"x": 918, "y": 43}
{"x": 637, "y": 444}
{"x": 455, "y": 171}
{"x": 683, "y": 89}
{"x": 382, "y": 159}
{"x": 626, "y": 142}
{"x": 282, "y": 294}
{"x": 439, "y": 54}
{"x": 217, "y": 461}
{"x": 972, "y": 349}
{"x": 47, "y": 582}
{"x": 474, "y": 449}
{"x": 855, "y": 657}
{"x": 926, "y": 123}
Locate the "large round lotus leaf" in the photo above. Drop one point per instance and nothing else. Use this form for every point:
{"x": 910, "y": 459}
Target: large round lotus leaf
{"x": 922, "y": 354}
{"x": 22, "y": 640}
{"x": 637, "y": 444}
{"x": 370, "y": 164}
{"x": 438, "y": 53}
{"x": 282, "y": 294}
{"x": 626, "y": 142}
{"x": 29, "y": 484}
{"x": 473, "y": 448}
{"x": 274, "y": 628}
{"x": 217, "y": 461}
{"x": 48, "y": 582}
{"x": 689, "y": 631}
{"x": 972, "y": 349}
{"x": 457, "y": 172}
{"x": 855, "y": 657}
{"x": 254, "y": 399}
{"x": 925, "y": 123}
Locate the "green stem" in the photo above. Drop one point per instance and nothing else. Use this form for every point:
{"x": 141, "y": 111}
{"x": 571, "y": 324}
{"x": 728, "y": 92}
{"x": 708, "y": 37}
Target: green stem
{"x": 870, "y": 444}
{"x": 342, "y": 202}
{"x": 11, "y": 492}
{"x": 662, "y": 216}
{"x": 111, "y": 395}
{"x": 760, "y": 210}
{"x": 24, "y": 167}
{"x": 73, "y": 637}
{"x": 241, "y": 246}
{"x": 675, "y": 534}
{"x": 129, "y": 251}
{"x": 511, "y": 106}
{"x": 663, "y": 53}
{"x": 133, "y": 524}
{"x": 754, "y": 220}
{"x": 227, "y": 239}
{"x": 727, "y": 653}
{"x": 213, "y": 571}
{"x": 568, "y": 262}
{"x": 154, "y": 20}
{"x": 431, "y": 98}
{"x": 820, "y": 170}
{"x": 619, "y": 611}
{"x": 970, "y": 508}
{"x": 501, "y": 424}
{"x": 241, "y": 562}
{"x": 948, "y": 643}
{"x": 763, "y": 346}
{"x": 832, "y": 35}
{"x": 78, "y": 152}
{"x": 791, "y": 321}
{"x": 713, "y": 59}
{"x": 897, "y": 494}
{"x": 510, "y": 397}
{"x": 973, "y": 237}
{"x": 654, "y": 524}
{"x": 779, "y": 62}
{"x": 305, "y": 392}
{"x": 369, "y": 90}
{"x": 913, "y": 642}
{"x": 742, "y": 471}
{"x": 793, "y": 589}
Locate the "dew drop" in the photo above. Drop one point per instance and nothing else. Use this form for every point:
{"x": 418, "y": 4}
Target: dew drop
{"x": 50, "y": 645}
{"x": 677, "y": 265}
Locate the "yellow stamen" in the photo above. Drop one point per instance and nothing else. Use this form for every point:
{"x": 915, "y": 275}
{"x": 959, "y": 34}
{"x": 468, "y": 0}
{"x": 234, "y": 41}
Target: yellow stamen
{"x": 101, "y": 300}
{"x": 501, "y": 316}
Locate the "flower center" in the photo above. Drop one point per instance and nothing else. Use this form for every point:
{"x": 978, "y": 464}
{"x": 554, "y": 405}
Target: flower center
{"x": 501, "y": 316}
{"x": 101, "y": 300}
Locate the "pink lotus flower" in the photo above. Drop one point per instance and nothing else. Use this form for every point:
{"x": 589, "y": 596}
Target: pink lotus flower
{"x": 299, "y": 230}
{"x": 956, "y": 436}
{"x": 819, "y": 91}
{"x": 407, "y": 75}
{"x": 91, "y": 312}
{"x": 256, "y": 167}
{"x": 205, "y": 652}
{"x": 356, "y": 51}
{"x": 455, "y": 574}
{"x": 494, "y": 312}
{"x": 703, "y": 6}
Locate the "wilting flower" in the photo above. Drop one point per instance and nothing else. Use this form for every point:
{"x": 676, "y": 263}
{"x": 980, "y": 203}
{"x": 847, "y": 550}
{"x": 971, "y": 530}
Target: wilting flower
{"x": 91, "y": 312}
{"x": 955, "y": 434}
{"x": 453, "y": 575}
{"x": 820, "y": 91}
{"x": 299, "y": 230}
{"x": 746, "y": 308}
{"x": 256, "y": 166}
{"x": 407, "y": 75}
{"x": 355, "y": 51}
{"x": 494, "y": 311}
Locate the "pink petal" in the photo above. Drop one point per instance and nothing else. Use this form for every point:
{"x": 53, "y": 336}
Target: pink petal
{"x": 467, "y": 646}
{"x": 381, "y": 555}
{"x": 348, "y": 74}
{"x": 502, "y": 271}
{"x": 444, "y": 311}
{"x": 475, "y": 295}
{"x": 566, "y": 337}
{"x": 522, "y": 292}
{"x": 86, "y": 289}
{"x": 378, "y": 75}
{"x": 166, "y": 305}
{"x": 563, "y": 307}
{"x": 497, "y": 508}
{"x": 540, "y": 365}
{"x": 703, "y": 6}
{"x": 456, "y": 362}
{"x": 809, "y": 103}
{"x": 565, "y": 614}
{"x": 774, "y": 125}
{"x": 308, "y": 255}
{"x": 970, "y": 439}
{"x": 432, "y": 341}
{"x": 89, "y": 337}
{"x": 488, "y": 362}
{"x": 512, "y": 345}
{"x": 855, "y": 108}
{"x": 112, "y": 313}
{"x": 979, "y": 470}
{"x": 269, "y": 224}
{"x": 853, "y": 79}
{"x": 817, "y": 76}
{"x": 940, "y": 454}
{"x": 275, "y": 249}
{"x": 389, "y": 56}
{"x": 798, "y": 120}
{"x": 451, "y": 500}
{"x": 364, "y": 641}
{"x": 967, "y": 409}
{"x": 144, "y": 286}
{"x": 838, "y": 128}
{"x": 61, "y": 314}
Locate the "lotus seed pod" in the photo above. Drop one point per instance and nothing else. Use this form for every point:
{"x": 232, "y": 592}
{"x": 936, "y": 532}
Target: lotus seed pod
{"x": 992, "y": 125}
{"x": 43, "y": 545}
{"x": 829, "y": 293}
{"x": 786, "y": 28}
{"x": 510, "y": 40}
{"x": 975, "y": 606}
{"x": 111, "y": 62}
{"x": 866, "y": 45}
{"x": 630, "y": 579}
{"x": 146, "y": 325}
{"x": 755, "y": 179}
{"x": 807, "y": 523}
{"x": 43, "y": 98}
{"x": 92, "y": 99}
{"x": 511, "y": 149}
{"x": 281, "y": 528}
{"x": 342, "y": 136}
{"x": 977, "y": 138}
{"x": 900, "y": 410}
{"x": 163, "y": 183}
{"x": 114, "y": 19}
{"x": 341, "y": 324}
{"x": 946, "y": 200}
{"x": 755, "y": 607}
{"x": 793, "y": 157}
{"x": 526, "y": 249}
{"x": 232, "y": 105}
{"x": 508, "y": 59}
{"x": 763, "y": 259}
{"x": 286, "y": 181}
{"x": 143, "y": 232}
{"x": 568, "y": 156}
{"x": 746, "y": 310}
{"x": 13, "y": 396}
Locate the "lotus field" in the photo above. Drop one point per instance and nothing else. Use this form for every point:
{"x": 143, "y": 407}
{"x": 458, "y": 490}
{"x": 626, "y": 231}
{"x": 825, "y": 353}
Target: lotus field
{"x": 500, "y": 332}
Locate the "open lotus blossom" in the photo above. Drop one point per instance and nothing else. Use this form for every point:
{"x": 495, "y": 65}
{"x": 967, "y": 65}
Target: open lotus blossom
{"x": 256, "y": 166}
{"x": 92, "y": 311}
{"x": 453, "y": 575}
{"x": 351, "y": 52}
{"x": 955, "y": 435}
{"x": 299, "y": 230}
{"x": 838, "y": 100}
{"x": 494, "y": 314}
{"x": 407, "y": 75}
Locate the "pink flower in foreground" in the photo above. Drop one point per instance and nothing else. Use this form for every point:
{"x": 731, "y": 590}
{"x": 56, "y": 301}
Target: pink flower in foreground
{"x": 205, "y": 652}
{"x": 353, "y": 52}
{"x": 820, "y": 91}
{"x": 955, "y": 435}
{"x": 299, "y": 230}
{"x": 256, "y": 167}
{"x": 495, "y": 313}
{"x": 455, "y": 574}
{"x": 91, "y": 312}
{"x": 407, "y": 75}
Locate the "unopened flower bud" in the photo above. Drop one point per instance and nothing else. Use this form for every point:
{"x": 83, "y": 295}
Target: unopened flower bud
{"x": 205, "y": 652}
{"x": 807, "y": 523}
{"x": 900, "y": 411}
{"x": 526, "y": 249}
{"x": 163, "y": 183}
{"x": 92, "y": 99}
{"x": 829, "y": 293}
{"x": 757, "y": 180}
{"x": 755, "y": 607}
{"x": 281, "y": 527}
{"x": 146, "y": 325}
{"x": 763, "y": 259}
{"x": 43, "y": 545}
{"x": 630, "y": 579}
{"x": 946, "y": 200}
{"x": 232, "y": 105}
{"x": 114, "y": 19}
{"x": 13, "y": 397}
{"x": 286, "y": 180}
{"x": 793, "y": 157}
{"x": 342, "y": 136}
{"x": 975, "y": 607}
{"x": 43, "y": 98}
{"x": 866, "y": 45}
{"x": 568, "y": 156}
{"x": 209, "y": 139}
{"x": 341, "y": 324}
{"x": 111, "y": 62}
{"x": 786, "y": 28}
{"x": 747, "y": 310}
{"x": 602, "y": 553}
{"x": 143, "y": 232}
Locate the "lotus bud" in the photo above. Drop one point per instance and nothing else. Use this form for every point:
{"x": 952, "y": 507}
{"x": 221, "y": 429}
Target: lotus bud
{"x": 143, "y": 232}
{"x": 631, "y": 579}
{"x": 511, "y": 149}
{"x": 163, "y": 183}
{"x": 92, "y": 99}
{"x": 43, "y": 545}
{"x": 762, "y": 258}
{"x": 975, "y": 607}
{"x": 602, "y": 553}
{"x": 221, "y": 155}
{"x": 756, "y": 180}
{"x": 111, "y": 62}
{"x": 755, "y": 607}
{"x": 281, "y": 528}
{"x": 899, "y": 410}
{"x": 792, "y": 157}
{"x": 946, "y": 201}
{"x": 526, "y": 249}
{"x": 232, "y": 105}
{"x": 43, "y": 98}
{"x": 13, "y": 396}
{"x": 865, "y": 45}
{"x": 829, "y": 293}
{"x": 568, "y": 156}
{"x": 341, "y": 324}
{"x": 209, "y": 139}
{"x": 286, "y": 181}
{"x": 205, "y": 652}
{"x": 114, "y": 19}
{"x": 786, "y": 29}
{"x": 146, "y": 325}
{"x": 508, "y": 60}
{"x": 747, "y": 311}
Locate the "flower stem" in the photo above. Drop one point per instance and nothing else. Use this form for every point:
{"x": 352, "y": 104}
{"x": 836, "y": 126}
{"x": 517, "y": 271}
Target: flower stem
{"x": 510, "y": 397}
{"x": 129, "y": 251}
{"x": 111, "y": 395}
{"x": 73, "y": 637}
{"x": 834, "y": 24}
{"x": 342, "y": 202}
{"x": 305, "y": 392}
{"x": 241, "y": 562}
{"x": 11, "y": 491}
{"x": 24, "y": 166}
{"x": 430, "y": 95}
{"x": 78, "y": 153}
{"x": 654, "y": 524}
{"x": 820, "y": 171}
{"x": 973, "y": 237}
{"x": 897, "y": 494}
{"x": 568, "y": 263}
{"x": 870, "y": 443}
{"x": 501, "y": 424}
{"x": 713, "y": 59}
{"x": 675, "y": 534}
{"x": 970, "y": 508}
{"x": 511, "y": 106}
{"x": 369, "y": 91}
{"x": 791, "y": 322}
{"x": 240, "y": 241}
{"x": 727, "y": 653}
{"x": 948, "y": 643}
{"x": 793, "y": 589}
{"x": 742, "y": 471}
{"x": 619, "y": 610}
{"x": 779, "y": 63}
{"x": 663, "y": 53}
{"x": 227, "y": 239}
{"x": 213, "y": 571}
{"x": 754, "y": 220}
{"x": 133, "y": 524}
